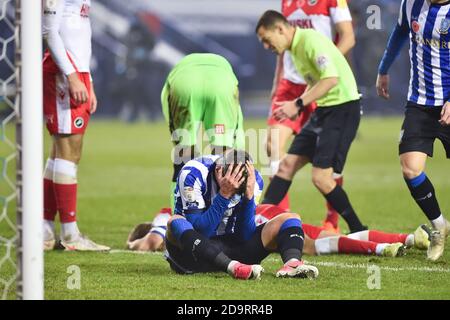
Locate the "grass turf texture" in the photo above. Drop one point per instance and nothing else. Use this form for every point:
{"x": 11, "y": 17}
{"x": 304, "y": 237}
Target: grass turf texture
{"x": 124, "y": 179}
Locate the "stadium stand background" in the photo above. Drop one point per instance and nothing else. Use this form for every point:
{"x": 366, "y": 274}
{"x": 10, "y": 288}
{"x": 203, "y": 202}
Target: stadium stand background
{"x": 136, "y": 42}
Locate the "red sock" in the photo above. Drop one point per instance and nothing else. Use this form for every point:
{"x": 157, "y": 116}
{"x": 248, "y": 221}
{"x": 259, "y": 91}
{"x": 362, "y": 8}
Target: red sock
{"x": 347, "y": 245}
{"x": 50, "y": 208}
{"x": 332, "y": 214}
{"x": 383, "y": 237}
{"x": 66, "y": 199}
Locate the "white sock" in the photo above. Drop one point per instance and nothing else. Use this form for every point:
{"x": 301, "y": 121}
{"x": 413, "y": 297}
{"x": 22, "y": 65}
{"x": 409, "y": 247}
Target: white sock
{"x": 49, "y": 230}
{"x": 327, "y": 245}
{"x": 361, "y": 235}
{"x": 231, "y": 265}
{"x": 409, "y": 240}
{"x": 69, "y": 231}
{"x": 291, "y": 260}
{"x": 439, "y": 223}
{"x": 274, "y": 166}
{"x": 380, "y": 247}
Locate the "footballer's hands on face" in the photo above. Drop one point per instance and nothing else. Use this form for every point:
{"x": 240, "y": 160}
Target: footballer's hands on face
{"x": 286, "y": 110}
{"x": 230, "y": 181}
{"x": 445, "y": 115}
{"x": 383, "y": 86}
{"x": 251, "y": 180}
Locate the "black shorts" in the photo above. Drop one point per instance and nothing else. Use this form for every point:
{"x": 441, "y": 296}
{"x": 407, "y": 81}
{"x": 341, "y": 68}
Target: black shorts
{"x": 251, "y": 252}
{"x": 327, "y": 136}
{"x": 420, "y": 128}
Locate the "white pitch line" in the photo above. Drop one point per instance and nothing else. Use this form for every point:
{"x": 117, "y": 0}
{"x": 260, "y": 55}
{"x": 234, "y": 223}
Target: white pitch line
{"x": 323, "y": 264}
{"x": 365, "y": 266}
{"x": 136, "y": 252}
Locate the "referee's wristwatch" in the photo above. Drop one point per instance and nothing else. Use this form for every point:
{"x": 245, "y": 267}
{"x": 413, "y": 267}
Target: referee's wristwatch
{"x": 299, "y": 105}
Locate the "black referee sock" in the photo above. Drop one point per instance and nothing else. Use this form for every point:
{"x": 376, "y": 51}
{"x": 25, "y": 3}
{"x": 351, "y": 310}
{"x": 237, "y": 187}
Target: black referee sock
{"x": 290, "y": 243}
{"x": 203, "y": 249}
{"x": 276, "y": 191}
{"x": 339, "y": 201}
{"x": 422, "y": 191}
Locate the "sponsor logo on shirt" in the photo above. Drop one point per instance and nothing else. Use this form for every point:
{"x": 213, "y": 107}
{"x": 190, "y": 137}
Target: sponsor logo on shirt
{"x": 302, "y": 23}
{"x": 219, "y": 128}
{"x": 434, "y": 43}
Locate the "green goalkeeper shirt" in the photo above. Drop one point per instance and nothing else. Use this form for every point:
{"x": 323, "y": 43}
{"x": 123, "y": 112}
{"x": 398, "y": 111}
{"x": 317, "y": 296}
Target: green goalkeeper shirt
{"x": 316, "y": 57}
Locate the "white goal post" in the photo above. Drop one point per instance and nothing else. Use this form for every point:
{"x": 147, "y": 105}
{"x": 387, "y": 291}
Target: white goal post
{"x": 29, "y": 135}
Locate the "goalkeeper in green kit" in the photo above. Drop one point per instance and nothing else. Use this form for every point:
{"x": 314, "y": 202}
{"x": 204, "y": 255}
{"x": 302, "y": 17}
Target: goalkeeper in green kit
{"x": 202, "y": 89}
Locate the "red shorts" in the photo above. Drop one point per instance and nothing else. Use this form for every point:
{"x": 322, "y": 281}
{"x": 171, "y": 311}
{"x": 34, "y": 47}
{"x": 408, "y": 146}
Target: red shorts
{"x": 311, "y": 231}
{"x": 269, "y": 211}
{"x": 62, "y": 114}
{"x": 288, "y": 91}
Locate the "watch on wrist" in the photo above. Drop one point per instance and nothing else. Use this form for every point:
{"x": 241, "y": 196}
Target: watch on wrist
{"x": 299, "y": 104}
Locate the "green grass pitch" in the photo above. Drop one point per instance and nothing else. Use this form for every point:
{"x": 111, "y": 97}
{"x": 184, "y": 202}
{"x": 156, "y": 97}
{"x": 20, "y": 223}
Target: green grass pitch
{"x": 124, "y": 179}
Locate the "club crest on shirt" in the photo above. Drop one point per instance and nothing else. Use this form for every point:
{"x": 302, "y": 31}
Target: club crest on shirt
{"x": 78, "y": 122}
{"x": 444, "y": 27}
{"x": 312, "y": 2}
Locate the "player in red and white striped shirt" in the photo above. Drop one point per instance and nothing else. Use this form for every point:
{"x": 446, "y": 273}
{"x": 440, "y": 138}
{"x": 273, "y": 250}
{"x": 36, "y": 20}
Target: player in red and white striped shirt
{"x": 69, "y": 100}
{"x": 332, "y": 18}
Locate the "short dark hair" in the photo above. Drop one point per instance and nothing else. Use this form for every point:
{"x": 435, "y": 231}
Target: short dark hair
{"x": 269, "y": 19}
{"x": 233, "y": 157}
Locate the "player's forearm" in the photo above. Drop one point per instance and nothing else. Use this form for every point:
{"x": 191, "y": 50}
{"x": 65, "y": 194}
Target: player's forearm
{"x": 396, "y": 41}
{"x": 346, "y": 41}
{"x": 245, "y": 220}
{"x": 319, "y": 90}
{"x": 278, "y": 72}
{"x": 207, "y": 222}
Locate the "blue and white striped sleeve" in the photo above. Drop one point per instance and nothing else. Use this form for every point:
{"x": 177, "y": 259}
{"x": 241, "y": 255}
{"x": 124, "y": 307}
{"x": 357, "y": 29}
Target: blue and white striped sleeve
{"x": 396, "y": 41}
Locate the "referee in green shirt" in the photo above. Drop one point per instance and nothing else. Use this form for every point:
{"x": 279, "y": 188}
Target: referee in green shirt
{"x": 326, "y": 138}
{"x": 202, "y": 89}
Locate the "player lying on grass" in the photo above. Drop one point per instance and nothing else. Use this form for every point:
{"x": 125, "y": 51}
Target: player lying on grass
{"x": 318, "y": 241}
{"x": 213, "y": 228}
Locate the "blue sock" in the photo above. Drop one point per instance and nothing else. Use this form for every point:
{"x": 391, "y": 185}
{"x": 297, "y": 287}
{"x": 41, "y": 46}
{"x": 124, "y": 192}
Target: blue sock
{"x": 422, "y": 191}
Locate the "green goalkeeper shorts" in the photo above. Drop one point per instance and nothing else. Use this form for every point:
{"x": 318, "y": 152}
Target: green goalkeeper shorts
{"x": 202, "y": 89}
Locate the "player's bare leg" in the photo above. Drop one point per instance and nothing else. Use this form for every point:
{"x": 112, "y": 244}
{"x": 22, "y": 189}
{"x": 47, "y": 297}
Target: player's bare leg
{"x": 277, "y": 139}
{"x": 422, "y": 190}
{"x": 282, "y": 181}
{"x": 324, "y": 182}
{"x": 285, "y": 235}
{"x": 50, "y": 207}
{"x": 67, "y": 151}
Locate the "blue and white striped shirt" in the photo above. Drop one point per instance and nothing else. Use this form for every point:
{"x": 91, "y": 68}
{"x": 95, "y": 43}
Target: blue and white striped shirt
{"x": 429, "y": 26}
{"x": 196, "y": 190}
